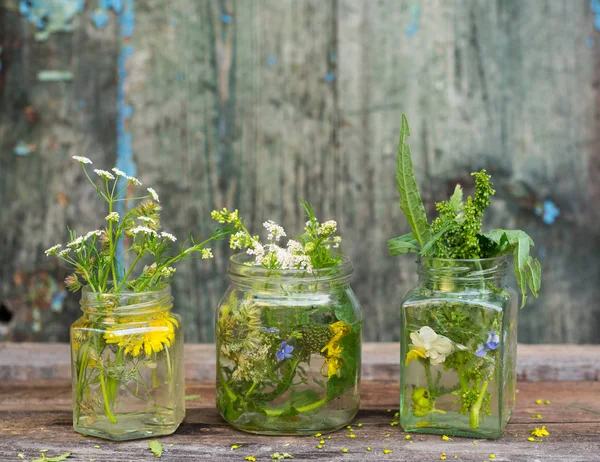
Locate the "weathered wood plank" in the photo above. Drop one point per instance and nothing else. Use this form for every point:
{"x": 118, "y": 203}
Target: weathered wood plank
{"x": 380, "y": 361}
{"x": 36, "y": 415}
{"x": 250, "y": 103}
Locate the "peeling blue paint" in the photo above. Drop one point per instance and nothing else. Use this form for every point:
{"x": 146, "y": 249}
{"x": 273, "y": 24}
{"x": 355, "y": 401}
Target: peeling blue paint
{"x": 179, "y": 76}
{"x": 226, "y": 18}
{"x": 271, "y": 60}
{"x": 329, "y": 77}
{"x": 413, "y": 28}
{"x": 595, "y": 7}
{"x": 100, "y": 18}
{"x": 50, "y": 16}
{"x": 125, "y": 161}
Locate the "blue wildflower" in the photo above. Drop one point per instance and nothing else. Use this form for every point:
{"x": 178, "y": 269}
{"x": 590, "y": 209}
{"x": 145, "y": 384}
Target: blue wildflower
{"x": 271, "y": 330}
{"x": 285, "y": 351}
{"x": 493, "y": 341}
{"x": 481, "y": 351}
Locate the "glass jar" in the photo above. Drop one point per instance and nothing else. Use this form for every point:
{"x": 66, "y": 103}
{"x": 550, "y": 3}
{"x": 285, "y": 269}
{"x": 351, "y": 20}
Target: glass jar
{"x": 127, "y": 365}
{"x": 458, "y": 349}
{"x": 288, "y": 349}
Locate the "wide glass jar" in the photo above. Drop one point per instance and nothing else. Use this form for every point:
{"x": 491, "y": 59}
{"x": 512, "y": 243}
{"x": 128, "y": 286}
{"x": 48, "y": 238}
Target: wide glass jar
{"x": 127, "y": 365}
{"x": 458, "y": 349}
{"x": 288, "y": 349}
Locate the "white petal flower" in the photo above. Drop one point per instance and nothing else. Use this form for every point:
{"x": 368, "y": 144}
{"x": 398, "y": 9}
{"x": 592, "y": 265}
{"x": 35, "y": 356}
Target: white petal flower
{"x": 168, "y": 236}
{"x": 83, "y": 160}
{"x": 433, "y": 346}
{"x": 134, "y": 181}
{"x": 153, "y": 194}
{"x": 120, "y": 173}
{"x": 53, "y": 250}
{"x": 294, "y": 246}
{"x": 112, "y": 216}
{"x": 64, "y": 252}
{"x": 276, "y": 232}
{"x": 142, "y": 229}
{"x": 328, "y": 228}
{"x": 75, "y": 242}
{"x": 96, "y": 232}
{"x": 104, "y": 174}
{"x": 147, "y": 220}
{"x": 337, "y": 240}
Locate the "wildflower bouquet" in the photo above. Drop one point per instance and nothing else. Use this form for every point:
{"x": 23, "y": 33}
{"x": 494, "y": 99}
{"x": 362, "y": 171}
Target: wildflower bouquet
{"x": 458, "y": 342}
{"x": 127, "y": 347}
{"x": 288, "y": 331}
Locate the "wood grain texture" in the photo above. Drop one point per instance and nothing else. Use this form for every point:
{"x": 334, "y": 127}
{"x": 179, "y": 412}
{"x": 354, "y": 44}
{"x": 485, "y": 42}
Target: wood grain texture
{"x": 380, "y": 362}
{"x": 250, "y": 103}
{"x": 37, "y": 415}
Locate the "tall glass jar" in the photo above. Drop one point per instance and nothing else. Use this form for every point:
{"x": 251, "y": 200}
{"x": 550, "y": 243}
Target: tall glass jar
{"x": 288, "y": 349}
{"x": 458, "y": 349}
{"x": 127, "y": 365}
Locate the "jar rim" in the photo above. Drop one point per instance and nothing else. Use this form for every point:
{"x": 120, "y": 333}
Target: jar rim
{"x": 126, "y": 302}
{"x": 499, "y": 258}
{"x": 239, "y": 269}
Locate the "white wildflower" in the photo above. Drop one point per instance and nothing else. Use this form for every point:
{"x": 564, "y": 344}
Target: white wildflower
{"x": 294, "y": 247}
{"x": 168, "y": 236}
{"x": 104, "y": 174}
{"x": 147, "y": 220}
{"x": 96, "y": 232}
{"x": 276, "y": 232}
{"x": 142, "y": 229}
{"x": 337, "y": 240}
{"x": 134, "y": 181}
{"x": 328, "y": 228}
{"x": 75, "y": 242}
{"x": 153, "y": 194}
{"x": 206, "y": 253}
{"x": 83, "y": 160}
{"x": 167, "y": 272}
{"x": 258, "y": 250}
{"x": 428, "y": 344}
{"x": 53, "y": 250}
{"x": 118, "y": 172}
{"x": 64, "y": 253}
{"x": 112, "y": 216}
{"x": 238, "y": 240}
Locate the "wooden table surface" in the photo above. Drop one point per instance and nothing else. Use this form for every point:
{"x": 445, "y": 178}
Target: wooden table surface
{"x": 35, "y": 414}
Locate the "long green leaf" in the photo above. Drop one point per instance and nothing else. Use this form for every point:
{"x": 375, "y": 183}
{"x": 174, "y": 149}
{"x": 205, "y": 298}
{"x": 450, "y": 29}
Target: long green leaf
{"x": 402, "y": 245}
{"x": 410, "y": 199}
{"x": 435, "y": 238}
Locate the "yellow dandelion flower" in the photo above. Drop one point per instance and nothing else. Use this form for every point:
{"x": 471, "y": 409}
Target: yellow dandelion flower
{"x": 153, "y": 337}
{"x": 539, "y": 432}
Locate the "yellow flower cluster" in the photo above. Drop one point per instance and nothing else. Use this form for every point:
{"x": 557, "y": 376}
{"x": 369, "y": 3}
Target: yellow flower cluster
{"x": 152, "y": 336}
{"x": 332, "y": 351}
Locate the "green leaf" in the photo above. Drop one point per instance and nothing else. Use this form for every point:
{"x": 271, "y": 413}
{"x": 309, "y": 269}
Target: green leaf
{"x": 456, "y": 200}
{"x": 156, "y": 448}
{"x": 346, "y": 378}
{"x": 190, "y": 397}
{"x": 402, "y": 244}
{"x": 435, "y": 238}
{"x": 410, "y": 199}
{"x": 528, "y": 271}
{"x": 60, "y": 458}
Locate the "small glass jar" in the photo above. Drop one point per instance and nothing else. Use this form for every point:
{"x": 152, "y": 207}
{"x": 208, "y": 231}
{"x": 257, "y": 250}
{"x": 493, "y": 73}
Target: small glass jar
{"x": 288, "y": 349}
{"x": 458, "y": 349}
{"x": 127, "y": 365}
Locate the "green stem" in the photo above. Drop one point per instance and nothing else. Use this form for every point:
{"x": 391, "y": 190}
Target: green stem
{"x": 475, "y": 409}
{"x": 129, "y": 272}
{"x": 109, "y": 414}
{"x": 169, "y": 367}
{"x": 232, "y": 396}
{"x": 112, "y": 247}
{"x": 251, "y": 390}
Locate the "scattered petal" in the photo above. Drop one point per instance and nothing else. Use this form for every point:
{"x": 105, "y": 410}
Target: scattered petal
{"x": 446, "y": 438}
